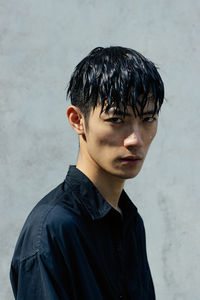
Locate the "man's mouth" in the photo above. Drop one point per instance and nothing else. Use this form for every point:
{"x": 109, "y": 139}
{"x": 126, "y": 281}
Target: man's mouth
{"x": 131, "y": 160}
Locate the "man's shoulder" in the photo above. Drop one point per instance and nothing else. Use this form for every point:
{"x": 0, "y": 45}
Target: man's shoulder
{"x": 57, "y": 205}
{"x": 56, "y": 214}
{"x": 140, "y": 222}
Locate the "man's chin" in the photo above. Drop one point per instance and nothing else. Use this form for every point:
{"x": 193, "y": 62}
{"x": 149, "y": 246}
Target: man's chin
{"x": 127, "y": 175}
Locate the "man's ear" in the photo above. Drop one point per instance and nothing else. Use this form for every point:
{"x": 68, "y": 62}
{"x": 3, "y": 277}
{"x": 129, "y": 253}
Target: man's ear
{"x": 76, "y": 119}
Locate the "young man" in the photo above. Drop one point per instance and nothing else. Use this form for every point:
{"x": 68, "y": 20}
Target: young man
{"x": 85, "y": 239}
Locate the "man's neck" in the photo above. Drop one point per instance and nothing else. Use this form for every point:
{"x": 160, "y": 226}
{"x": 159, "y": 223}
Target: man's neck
{"x": 108, "y": 185}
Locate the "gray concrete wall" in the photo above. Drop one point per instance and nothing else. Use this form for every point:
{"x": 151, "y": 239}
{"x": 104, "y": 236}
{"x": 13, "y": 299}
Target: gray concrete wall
{"x": 40, "y": 43}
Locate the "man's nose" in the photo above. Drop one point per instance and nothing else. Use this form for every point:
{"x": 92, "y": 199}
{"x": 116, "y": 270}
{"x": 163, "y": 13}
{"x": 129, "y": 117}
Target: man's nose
{"x": 134, "y": 139}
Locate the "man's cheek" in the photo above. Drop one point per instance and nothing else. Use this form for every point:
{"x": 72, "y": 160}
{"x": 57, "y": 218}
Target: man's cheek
{"x": 109, "y": 140}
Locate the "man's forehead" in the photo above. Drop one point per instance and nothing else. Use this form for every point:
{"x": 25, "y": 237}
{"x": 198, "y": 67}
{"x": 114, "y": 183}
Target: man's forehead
{"x": 129, "y": 110}
{"x": 119, "y": 108}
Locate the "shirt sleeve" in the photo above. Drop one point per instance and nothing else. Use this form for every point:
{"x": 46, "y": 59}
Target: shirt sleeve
{"x": 39, "y": 277}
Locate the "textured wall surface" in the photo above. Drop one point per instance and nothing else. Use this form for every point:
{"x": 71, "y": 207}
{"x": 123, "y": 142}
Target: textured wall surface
{"x": 40, "y": 43}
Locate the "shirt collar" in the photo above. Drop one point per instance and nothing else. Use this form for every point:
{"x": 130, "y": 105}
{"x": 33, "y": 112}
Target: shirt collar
{"x": 91, "y": 198}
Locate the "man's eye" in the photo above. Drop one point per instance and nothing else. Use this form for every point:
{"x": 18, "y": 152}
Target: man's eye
{"x": 115, "y": 120}
{"x": 149, "y": 119}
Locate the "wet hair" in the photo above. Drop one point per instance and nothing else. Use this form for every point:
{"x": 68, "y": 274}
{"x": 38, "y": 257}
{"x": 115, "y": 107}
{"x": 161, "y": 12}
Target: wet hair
{"x": 115, "y": 77}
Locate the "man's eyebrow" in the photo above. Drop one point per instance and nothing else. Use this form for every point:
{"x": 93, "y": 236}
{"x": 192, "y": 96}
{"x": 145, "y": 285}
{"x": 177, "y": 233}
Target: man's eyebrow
{"x": 118, "y": 112}
{"x": 149, "y": 112}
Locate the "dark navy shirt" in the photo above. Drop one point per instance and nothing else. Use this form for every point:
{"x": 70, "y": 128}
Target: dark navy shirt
{"x": 74, "y": 245}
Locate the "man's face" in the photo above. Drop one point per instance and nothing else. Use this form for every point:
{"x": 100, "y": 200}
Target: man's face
{"x": 116, "y": 144}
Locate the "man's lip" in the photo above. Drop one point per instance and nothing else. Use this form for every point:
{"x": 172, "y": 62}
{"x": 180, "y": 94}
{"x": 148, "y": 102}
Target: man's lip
{"x": 132, "y": 157}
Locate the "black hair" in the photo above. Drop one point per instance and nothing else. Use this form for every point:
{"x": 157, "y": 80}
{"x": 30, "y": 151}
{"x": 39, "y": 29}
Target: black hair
{"x": 115, "y": 76}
